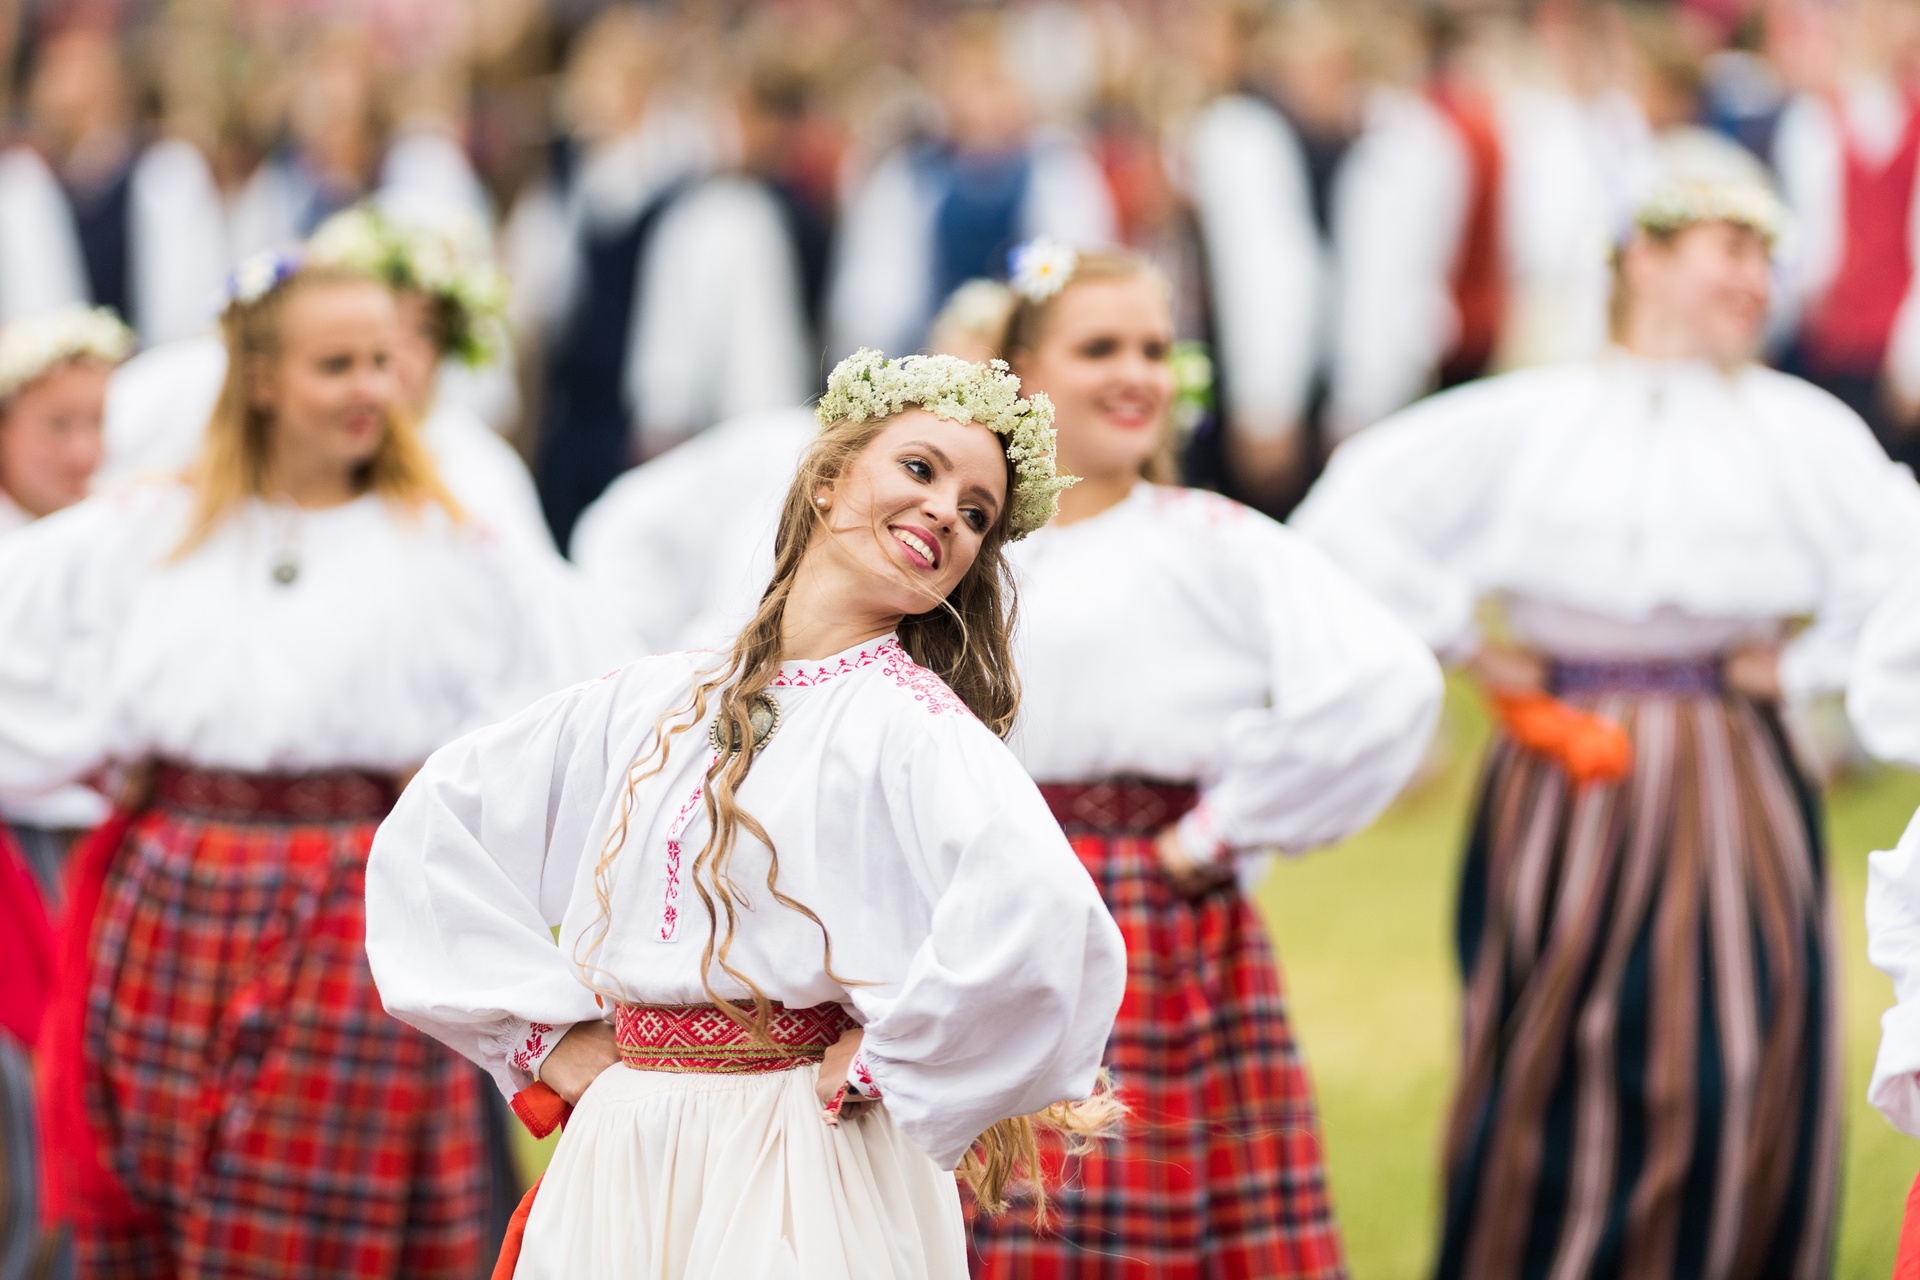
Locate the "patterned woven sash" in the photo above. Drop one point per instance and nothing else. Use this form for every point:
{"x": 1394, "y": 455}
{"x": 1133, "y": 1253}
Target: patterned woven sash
{"x": 1676, "y": 677}
{"x": 333, "y": 795}
{"x": 1117, "y": 806}
{"x": 700, "y": 1038}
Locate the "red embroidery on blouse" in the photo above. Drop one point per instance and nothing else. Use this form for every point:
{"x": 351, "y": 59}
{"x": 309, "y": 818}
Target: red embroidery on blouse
{"x": 862, "y": 1077}
{"x": 532, "y": 1047}
{"x": 820, "y": 675}
{"x": 928, "y": 689}
{"x": 670, "y": 896}
{"x": 1209, "y": 506}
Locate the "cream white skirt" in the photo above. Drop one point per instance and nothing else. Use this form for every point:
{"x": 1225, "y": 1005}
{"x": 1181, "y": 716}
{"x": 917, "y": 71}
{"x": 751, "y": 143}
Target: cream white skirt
{"x": 661, "y": 1176}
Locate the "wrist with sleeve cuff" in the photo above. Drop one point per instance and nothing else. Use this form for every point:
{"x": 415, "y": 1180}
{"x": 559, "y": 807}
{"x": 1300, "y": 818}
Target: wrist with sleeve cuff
{"x": 1199, "y": 834}
{"x": 860, "y": 1077}
{"x": 531, "y": 1043}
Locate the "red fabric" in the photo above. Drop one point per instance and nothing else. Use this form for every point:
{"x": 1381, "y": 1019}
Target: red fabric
{"x": 1217, "y": 1174}
{"x": 1906, "y": 1263}
{"x": 540, "y": 1109}
{"x": 26, "y": 946}
{"x": 332, "y": 795}
{"x": 699, "y": 1037}
{"x": 1590, "y": 748}
{"x": 1479, "y": 285}
{"x": 516, "y": 1236}
{"x": 259, "y": 1111}
{"x": 1132, "y": 806}
{"x": 1849, "y": 328}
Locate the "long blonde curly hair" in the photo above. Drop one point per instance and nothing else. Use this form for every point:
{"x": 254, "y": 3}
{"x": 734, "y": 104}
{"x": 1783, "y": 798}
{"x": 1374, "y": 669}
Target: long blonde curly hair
{"x": 965, "y": 639}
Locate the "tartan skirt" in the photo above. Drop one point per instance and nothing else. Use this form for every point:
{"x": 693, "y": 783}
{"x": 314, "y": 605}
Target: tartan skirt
{"x": 1650, "y": 1075}
{"x": 1218, "y": 1171}
{"x": 263, "y": 1113}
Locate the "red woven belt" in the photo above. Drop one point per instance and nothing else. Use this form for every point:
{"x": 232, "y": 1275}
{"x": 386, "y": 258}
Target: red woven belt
{"x": 334, "y": 795}
{"x": 698, "y": 1037}
{"x": 1118, "y": 806}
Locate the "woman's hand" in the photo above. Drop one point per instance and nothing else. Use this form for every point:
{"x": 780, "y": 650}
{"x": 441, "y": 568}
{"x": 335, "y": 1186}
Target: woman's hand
{"x": 1753, "y": 670}
{"x": 583, "y": 1053}
{"x": 1189, "y": 876}
{"x": 1506, "y": 668}
{"x": 833, "y": 1071}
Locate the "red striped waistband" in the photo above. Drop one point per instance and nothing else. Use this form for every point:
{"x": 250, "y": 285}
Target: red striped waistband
{"x": 700, "y": 1038}
{"x": 332, "y": 795}
{"x": 1118, "y": 806}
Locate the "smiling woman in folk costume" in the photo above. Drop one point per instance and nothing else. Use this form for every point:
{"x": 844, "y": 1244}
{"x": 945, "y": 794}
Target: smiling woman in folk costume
{"x": 53, "y": 378}
{"x": 1203, "y": 689}
{"x": 870, "y": 901}
{"x": 261, "y": 651}
{"x": 1650, "y": 1081}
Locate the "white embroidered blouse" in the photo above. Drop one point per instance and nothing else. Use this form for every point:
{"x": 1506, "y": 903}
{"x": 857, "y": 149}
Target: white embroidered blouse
{"x": 1626, "y": 508}
{"x": 397, "y": 633}
{"x": 1183, "y": 637}
{"x": 991, "y": 971}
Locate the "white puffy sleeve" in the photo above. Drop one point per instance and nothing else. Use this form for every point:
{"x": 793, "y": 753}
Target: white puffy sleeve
{"x": 487, "y": 477}
{"x": 1401, "y": 505}
{"x": 1249, "y": 186}
{"x": 1353, "y": 700}
{"x": 1893, "y": 944}
{"x": 65, "y": 586}
{"x": 179, "y": 232}
{"x": 472, "y": 871}
{"x": 1861, "y": 514}
{"x": 1883, "y": 696}
{"x": 1006, "y": 1007}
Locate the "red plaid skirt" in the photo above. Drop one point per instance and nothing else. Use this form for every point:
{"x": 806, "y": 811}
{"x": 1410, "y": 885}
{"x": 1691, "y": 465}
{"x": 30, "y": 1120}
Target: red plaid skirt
{"x": 1218, "y": 1170}
{"x": 263, "y": 1113}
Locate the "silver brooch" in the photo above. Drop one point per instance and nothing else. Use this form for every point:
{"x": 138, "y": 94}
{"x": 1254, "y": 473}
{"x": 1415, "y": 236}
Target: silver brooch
{"x": 763, "y": 715}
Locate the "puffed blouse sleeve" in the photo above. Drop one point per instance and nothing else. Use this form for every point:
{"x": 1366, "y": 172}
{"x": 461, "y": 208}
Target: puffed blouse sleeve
{"x": 66, "y": 584}
{"x": 1353, "y": 699}
{"x": 472, "y": 871}
{"x": 1006, "y": 1005}
{"x": 1893, "y": 944}
{"x": 1883, "y": 694}
{"x": 1404, "y": 505}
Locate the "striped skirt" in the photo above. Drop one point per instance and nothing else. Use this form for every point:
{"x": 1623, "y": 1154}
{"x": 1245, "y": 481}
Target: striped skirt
{"x": 1649, "y": 1081}
{"x": 249, "y": 1107}
{"x": 1218, "y": 1171}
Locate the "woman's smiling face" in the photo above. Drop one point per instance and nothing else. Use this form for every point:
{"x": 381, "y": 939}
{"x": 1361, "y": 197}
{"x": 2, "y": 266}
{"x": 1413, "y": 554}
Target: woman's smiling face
{"x": 914, "y": 508}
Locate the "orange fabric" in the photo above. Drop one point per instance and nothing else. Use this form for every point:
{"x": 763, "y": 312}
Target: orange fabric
{"x": 516, "y": 1235}
{"x": 1590, "y": 748}
{"x": 1906, "y": 1263}
{"x": 540, "y": 1109}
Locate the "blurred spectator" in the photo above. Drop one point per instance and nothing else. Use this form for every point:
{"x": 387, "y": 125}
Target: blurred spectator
{"x": 945, "y": 207}
{"x": 95, "y": 210}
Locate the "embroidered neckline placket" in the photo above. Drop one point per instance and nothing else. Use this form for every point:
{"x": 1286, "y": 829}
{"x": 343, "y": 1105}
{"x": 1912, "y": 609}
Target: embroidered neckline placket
{"x": 670, "y": 894}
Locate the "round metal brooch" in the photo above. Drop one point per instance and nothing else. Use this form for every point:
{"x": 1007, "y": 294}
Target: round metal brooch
{"x": 763, "y": 714}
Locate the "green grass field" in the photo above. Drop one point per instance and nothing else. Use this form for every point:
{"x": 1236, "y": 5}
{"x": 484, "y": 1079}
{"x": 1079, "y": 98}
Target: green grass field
{"x": 1362, "y": 932}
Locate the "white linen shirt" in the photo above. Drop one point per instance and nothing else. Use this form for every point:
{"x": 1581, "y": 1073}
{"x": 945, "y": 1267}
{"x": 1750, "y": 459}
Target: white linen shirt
{"x": 980, "y": 959}
{"x": 1624, "y": 507}
{"x": 1893, "y": 944}
{"x": 399, "y": 632}
{"x": 1183, "y": 637}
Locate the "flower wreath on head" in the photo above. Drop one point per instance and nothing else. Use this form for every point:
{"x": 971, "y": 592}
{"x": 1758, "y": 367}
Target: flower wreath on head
{"x": 1679, "y": 204}
{"x": 448, "y": 259}
{"x": 867, "y": 385}
{"x": 32, "y": 348}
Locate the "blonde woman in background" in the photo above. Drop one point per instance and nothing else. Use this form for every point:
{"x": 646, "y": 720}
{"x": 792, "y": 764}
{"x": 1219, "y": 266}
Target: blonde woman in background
{"x": 260, "y": 653}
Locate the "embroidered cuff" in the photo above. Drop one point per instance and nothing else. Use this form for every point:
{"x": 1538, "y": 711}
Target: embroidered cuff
{"x": 860, "y": 1077}
{"x": 1200, "y": 834}
{"x": 530, "y": 1044}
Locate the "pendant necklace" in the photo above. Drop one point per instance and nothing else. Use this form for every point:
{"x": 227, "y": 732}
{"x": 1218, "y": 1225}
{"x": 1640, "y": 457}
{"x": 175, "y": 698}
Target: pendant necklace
{"x": 286, "y": 540}
{"x": 763, "y": 716}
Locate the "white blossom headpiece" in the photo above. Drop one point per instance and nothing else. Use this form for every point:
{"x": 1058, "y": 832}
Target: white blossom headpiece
{"x": 1041, "y": 268}
{"x": 867, "y": 385}
{"x": 32, "y": 348}
{"x": 448, "y": 258}
{"x": 1681, "y": 204}
{"x": 258, "y": 275}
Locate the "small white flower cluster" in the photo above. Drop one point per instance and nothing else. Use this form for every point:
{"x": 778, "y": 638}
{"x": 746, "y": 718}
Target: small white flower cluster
{"x": 867, "y": 385}
{"x": 1041, "y": 268}
{"x": 449, "y": 259}
{"x": 1675, "y": 205}
{"x": 32, "y": 348}
{"x": 258, "y": 275}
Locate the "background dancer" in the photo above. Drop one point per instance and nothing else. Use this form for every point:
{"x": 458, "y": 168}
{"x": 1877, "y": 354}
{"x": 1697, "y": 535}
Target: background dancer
{"x": 1649, "y": 1083}
{"x": 270, "y": 645}
{"x": 924, "y": 934}
{"x": 1203, "y": 688}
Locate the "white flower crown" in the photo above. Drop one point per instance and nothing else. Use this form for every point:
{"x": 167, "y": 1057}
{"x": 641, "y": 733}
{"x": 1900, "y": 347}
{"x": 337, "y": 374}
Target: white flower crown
{"x": 32, "y": 348}
{"x": 867, "y": 385}
{"x": 449, "y": 259}
{"x": 1041, "y": 268}
{"x": 1675, "y": 205}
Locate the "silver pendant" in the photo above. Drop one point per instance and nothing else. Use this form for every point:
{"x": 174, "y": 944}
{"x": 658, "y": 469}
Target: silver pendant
{"x": 763, "y": 714}
{"x": 285, "y": 570}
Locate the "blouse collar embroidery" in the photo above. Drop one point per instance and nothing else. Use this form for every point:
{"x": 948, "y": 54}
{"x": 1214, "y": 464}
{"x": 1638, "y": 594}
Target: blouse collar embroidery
{"x": 805, "y": 675}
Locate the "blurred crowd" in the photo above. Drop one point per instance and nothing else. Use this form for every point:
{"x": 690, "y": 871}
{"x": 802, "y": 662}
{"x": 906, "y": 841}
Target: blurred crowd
{"x": 699, "y": 206}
